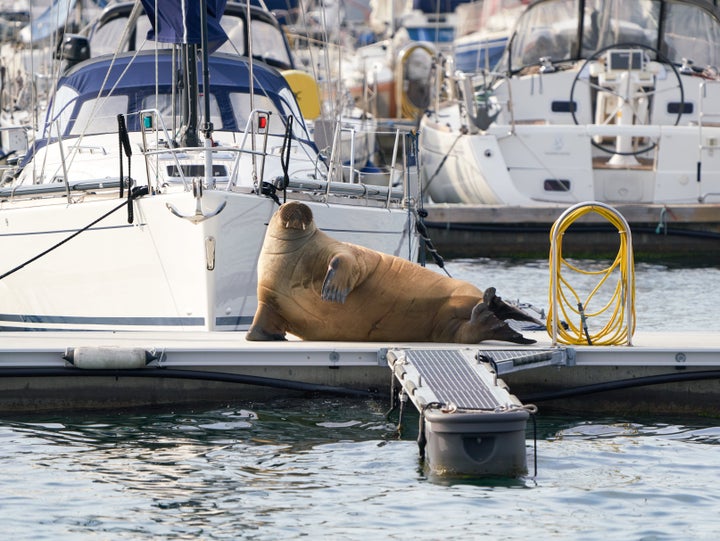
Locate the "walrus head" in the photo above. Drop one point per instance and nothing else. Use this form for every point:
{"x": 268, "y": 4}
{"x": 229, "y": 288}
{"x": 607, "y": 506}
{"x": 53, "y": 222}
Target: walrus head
{"x": 294, "y": 216}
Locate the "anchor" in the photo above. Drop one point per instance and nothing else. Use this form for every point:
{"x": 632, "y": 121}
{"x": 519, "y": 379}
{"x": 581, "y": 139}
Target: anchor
{"x": 199, "y": 215}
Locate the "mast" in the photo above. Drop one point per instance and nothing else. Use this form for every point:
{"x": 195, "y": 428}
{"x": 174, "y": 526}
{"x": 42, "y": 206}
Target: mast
{"x": 193, "y": 26}
{"x": 190, "y": 92}
{"x": 207, "y": 126}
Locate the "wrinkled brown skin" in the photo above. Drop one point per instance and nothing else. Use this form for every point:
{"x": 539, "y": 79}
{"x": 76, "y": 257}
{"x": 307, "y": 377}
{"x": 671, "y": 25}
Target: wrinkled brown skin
{"x": 318, "y": 288}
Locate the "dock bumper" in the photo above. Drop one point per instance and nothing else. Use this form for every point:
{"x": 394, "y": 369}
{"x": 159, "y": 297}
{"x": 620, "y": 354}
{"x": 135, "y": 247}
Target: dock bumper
{"x": 470, "y": 423}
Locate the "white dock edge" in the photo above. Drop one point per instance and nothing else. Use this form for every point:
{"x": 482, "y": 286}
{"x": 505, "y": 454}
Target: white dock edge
{"x": 58, "y": 370}
{"x": 471, "y": 424}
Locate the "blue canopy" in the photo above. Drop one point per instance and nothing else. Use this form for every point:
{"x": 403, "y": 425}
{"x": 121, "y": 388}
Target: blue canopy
{"x": 438, "y": 6}
{"x": 135, "y": 76}
{"x": 226, "y": 70}
{"x": 273, "y": 5}
{"x": 178, "y": 21}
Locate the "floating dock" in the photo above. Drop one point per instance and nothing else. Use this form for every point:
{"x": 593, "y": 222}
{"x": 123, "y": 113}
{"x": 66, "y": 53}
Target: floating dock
{"x": 471, "y": 422}
{"x": 660, "y": 232}
{"x": 36, "y": 372}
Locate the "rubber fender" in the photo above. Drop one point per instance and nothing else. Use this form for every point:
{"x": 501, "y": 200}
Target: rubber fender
{"x": 306, "y": 91}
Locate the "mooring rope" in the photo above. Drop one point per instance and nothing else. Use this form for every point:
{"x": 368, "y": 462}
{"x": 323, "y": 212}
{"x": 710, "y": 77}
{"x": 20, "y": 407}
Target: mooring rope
{"x": 574, "y": 311}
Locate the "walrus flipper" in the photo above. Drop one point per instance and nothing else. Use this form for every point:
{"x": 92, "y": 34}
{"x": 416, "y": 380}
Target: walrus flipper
{"x": 265, "y": 318}
{"x": 487, "y": 326}
{"x": 256, "y": 334}
{"x": 338, "y": 281}
{"x": 504, "y": 311}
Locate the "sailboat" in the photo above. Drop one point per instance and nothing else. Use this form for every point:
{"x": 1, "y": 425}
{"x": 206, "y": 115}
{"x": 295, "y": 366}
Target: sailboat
{"x": 608, "y": 101}
{"x": 121, "y": 217}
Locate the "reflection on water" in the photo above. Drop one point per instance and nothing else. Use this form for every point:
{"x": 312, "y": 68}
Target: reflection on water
{"x": 334, "y": 468}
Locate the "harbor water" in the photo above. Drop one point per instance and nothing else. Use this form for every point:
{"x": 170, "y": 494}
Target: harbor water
{"x": 329, "y": 468}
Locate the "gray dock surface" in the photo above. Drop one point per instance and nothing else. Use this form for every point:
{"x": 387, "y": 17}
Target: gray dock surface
{"x": 356, "y": 365}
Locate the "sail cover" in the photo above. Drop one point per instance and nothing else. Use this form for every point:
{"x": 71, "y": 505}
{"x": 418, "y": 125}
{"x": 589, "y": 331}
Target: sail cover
{"x": 178, "y": 21}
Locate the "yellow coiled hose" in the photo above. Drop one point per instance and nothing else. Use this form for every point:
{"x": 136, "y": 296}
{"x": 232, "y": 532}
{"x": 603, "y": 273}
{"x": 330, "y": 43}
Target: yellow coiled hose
{"x": 575, "y": 312}
{"x": 413, "y": 79}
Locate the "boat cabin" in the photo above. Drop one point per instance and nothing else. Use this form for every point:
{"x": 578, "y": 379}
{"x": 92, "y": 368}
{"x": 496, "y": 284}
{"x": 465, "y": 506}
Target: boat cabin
{"x": 122, "y": 28}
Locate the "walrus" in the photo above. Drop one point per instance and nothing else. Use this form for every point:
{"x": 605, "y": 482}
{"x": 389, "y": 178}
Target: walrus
{"x": 318, "y": 288}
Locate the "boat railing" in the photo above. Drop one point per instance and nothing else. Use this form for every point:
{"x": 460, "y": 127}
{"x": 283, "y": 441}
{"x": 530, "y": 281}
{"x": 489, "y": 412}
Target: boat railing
{"x": 338, "y": 170}
{"x": 257, "y": 124}
{"x": 37, "y": 190}
{"x": 359, "y": 190}
{"x": 149, "y": 120}
{"x": 389, "y": 191}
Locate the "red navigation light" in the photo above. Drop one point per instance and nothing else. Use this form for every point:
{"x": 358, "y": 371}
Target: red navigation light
{"x": 262, "y": 122}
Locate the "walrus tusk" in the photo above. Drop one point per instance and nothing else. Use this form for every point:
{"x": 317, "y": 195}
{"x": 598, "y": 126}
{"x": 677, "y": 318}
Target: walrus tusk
{"x": 287, "y": 225}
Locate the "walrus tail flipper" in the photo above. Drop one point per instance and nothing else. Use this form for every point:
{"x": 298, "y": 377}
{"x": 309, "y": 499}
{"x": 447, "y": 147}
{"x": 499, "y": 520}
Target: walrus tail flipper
{"x": 504, "y": 311}
{"x": 485, "y": 325}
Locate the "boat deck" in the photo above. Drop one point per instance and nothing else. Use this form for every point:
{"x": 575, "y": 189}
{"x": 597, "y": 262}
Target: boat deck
{"x": 190, "y": 367}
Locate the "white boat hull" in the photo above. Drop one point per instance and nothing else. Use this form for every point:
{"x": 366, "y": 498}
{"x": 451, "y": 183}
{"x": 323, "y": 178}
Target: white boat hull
{"x": 535, "y": 164}
{"x": 161, "y": 272}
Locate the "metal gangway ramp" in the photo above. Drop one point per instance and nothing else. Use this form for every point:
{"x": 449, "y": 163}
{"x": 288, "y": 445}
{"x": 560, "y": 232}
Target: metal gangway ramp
{"x": 470, "y": 422}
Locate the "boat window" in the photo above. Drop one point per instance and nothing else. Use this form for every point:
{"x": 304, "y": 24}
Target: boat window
{"x": 99, "y": 115}
{"x": 105, "y": 39}
{"x": 235, "y": 29}
{"x": 620, "y": 21}
{"x": 108, "y": 38}
{"x": 291, "y": 108}
{"x": 548, "y": 29}
{"x": 61, "y": 110}
{"x": 691, "y": 33}
{"x": 269, "y": 43}
{"x": 241, "y": 107}
{"x": 141, "y": 32}
{"x": 163, "y": 103}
